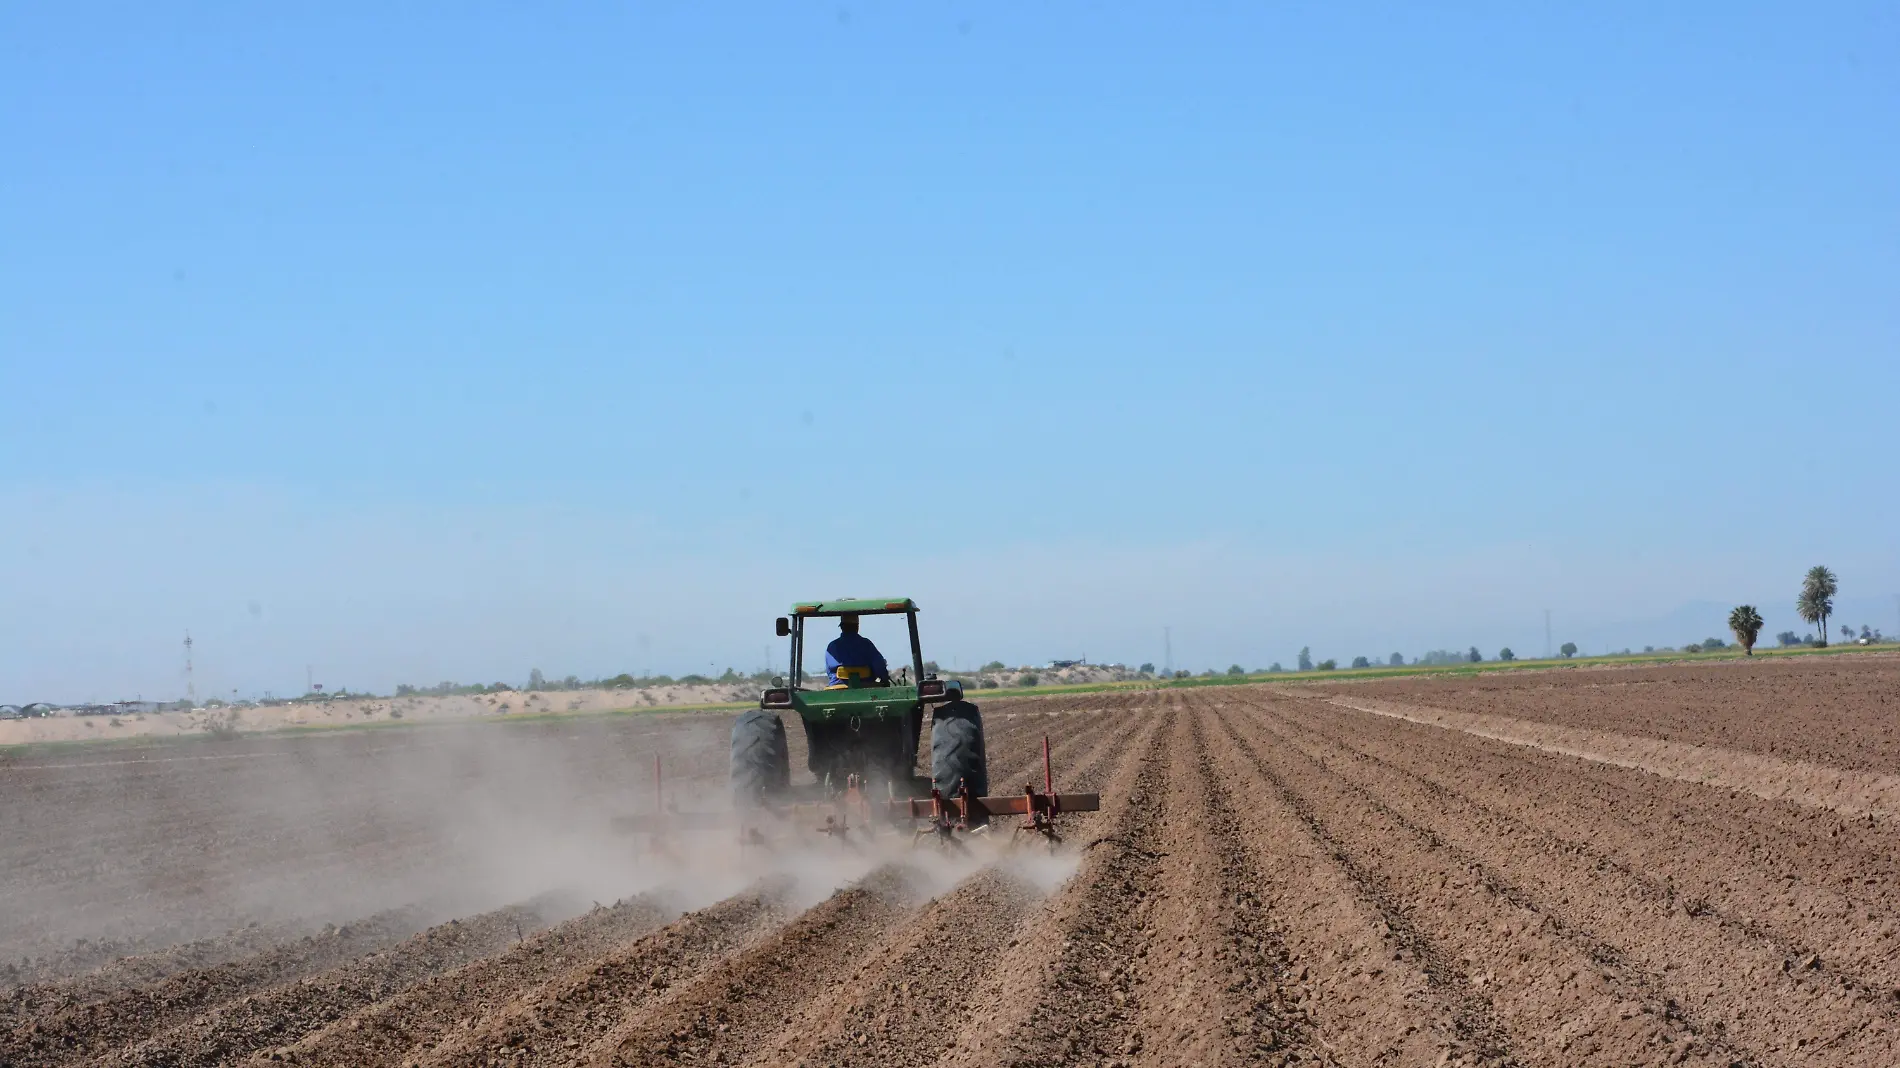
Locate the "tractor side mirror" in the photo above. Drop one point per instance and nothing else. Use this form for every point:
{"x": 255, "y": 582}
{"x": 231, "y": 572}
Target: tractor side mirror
{"x": 784, "y": 627}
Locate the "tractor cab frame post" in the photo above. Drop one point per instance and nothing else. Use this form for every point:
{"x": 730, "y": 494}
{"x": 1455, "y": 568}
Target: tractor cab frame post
{"x": 916, "y": 649}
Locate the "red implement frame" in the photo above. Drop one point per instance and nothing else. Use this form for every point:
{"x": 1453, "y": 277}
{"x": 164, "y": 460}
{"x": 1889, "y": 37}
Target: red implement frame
{"x": 850, "y": 803}
{"x": 664, "y": 841}
{"x": 944, "y": 816}
{"x": 852, "y": 810}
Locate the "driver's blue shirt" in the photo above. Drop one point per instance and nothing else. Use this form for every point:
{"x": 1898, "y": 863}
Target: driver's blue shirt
{"x": 853, "y": 650}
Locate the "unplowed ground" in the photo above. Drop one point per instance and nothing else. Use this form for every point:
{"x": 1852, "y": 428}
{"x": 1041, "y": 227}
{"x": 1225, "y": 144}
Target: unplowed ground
{"x": 1274, "y": 878}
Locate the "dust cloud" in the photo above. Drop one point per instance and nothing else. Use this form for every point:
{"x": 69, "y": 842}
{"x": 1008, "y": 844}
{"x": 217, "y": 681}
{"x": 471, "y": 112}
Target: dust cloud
{"x": 203, "y": 840}
{"x": 171, "y": 842}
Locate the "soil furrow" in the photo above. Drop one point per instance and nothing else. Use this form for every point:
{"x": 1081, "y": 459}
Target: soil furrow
{"x": 1218, "y": 988}
{"x": 20, "y": 1003}
{"x": 1366, "y": 989}
{"x": 1063, "y": 992}
{"x": 1830, "y": 709}
{"x": 1678, "y": 958}
{"x": 739, "y": 1002}
{"x": 69, "y": 1033}
{"x": 906, "y": 1010}
{"x": 1802, "y": 782}
{"x": 1477, "y": 1033}
{"x": 282, "y": 1015}
{"x": 1563, "y": 996}
{"x": 1809, "y": 887}
{"x": 91, "y": 970}
{"x": 1272, "y": 880}
{"x": 731, "y": 1012}
{"x": 590, "y": 1001}
{"x": 388, "y": 1031}
{"x": 351, "y": 1034}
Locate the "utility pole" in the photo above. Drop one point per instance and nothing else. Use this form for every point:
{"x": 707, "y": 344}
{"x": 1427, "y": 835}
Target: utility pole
{"x": 1167, "y": 651}
{"x": 191, "y": 690}
{"x": 1547, "y": 650}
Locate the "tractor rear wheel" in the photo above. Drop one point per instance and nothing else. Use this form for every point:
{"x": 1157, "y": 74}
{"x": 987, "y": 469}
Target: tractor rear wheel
{"x": 957, "y": 758}
{"x": 761, "y": 763}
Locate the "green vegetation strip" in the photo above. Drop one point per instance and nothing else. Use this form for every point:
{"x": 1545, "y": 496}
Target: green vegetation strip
{"x": 1483, "y": 667}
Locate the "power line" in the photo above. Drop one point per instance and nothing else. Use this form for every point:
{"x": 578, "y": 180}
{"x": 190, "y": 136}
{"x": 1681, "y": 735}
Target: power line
{"x": 191, "y": 691}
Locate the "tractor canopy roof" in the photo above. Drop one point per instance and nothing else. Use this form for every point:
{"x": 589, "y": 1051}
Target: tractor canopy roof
{"x": 857, "y": 606}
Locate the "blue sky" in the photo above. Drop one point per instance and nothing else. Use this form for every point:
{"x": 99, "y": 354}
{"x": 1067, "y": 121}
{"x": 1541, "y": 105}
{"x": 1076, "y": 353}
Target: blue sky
{"x": 448, "y": 342}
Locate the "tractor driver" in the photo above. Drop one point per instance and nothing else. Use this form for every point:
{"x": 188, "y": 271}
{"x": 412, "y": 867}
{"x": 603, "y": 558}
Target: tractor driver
{"x": 851, "y": 657}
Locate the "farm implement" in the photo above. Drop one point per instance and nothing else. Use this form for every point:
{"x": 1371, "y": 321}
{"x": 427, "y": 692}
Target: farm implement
{"x": 862, "y": 735}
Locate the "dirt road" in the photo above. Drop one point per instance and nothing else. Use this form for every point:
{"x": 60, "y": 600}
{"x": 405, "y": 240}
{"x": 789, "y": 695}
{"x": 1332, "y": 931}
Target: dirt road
{"x": 1274, "y": 878}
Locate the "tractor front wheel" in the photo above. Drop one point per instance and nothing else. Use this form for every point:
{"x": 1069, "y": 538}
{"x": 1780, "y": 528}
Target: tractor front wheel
{"x": 957, "y": 758}
{"x": 761, "y": 763}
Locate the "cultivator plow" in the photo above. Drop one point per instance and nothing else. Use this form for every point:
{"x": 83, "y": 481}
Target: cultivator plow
{"x": 851, "y": 812}
{"x": 943, "y": 817}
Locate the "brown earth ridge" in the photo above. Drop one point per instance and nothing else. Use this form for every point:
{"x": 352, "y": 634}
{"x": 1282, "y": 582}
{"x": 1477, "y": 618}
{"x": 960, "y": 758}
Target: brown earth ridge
{"x": 1326, "y": 875}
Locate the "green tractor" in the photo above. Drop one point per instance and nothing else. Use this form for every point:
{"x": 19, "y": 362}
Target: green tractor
{"x": 862, "y": 734}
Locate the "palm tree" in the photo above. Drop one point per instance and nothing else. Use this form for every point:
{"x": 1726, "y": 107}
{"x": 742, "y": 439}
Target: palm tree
{"x": 1746, "y": 623}
{"x": 1816, "y": 602}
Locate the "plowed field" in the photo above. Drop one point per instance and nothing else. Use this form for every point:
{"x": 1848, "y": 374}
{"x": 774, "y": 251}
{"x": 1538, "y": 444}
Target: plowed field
{"x": 1277, "y": 876}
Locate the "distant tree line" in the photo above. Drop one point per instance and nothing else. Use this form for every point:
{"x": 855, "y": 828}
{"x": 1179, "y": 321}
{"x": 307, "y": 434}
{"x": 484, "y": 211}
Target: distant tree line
{"x": 1814, "y": 604}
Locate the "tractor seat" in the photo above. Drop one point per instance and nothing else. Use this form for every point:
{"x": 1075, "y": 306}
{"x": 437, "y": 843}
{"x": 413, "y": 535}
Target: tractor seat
{"x": 848, "y": 676}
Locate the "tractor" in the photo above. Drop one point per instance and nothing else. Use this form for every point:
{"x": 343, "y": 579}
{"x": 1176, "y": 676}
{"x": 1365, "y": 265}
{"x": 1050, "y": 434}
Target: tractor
{"x": 861, "y": 739}
{"x": 863, "y": 733}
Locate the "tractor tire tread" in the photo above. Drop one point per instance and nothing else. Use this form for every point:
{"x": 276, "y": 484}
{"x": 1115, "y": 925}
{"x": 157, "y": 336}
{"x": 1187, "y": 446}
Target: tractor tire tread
{"x": 761, "y": 760}
{"x": 956, "y": 749}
